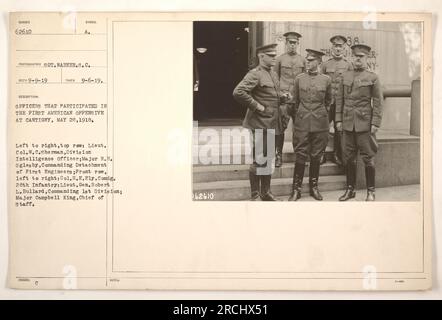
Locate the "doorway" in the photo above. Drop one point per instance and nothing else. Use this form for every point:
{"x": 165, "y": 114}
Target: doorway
{"x": 221, "y": 59}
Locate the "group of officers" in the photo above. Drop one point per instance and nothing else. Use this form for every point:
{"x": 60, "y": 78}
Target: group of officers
{"x": 337, "y": 99}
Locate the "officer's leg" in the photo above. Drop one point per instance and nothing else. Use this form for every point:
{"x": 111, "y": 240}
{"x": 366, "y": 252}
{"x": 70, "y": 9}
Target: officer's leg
{"x": 253, "y": 177}
{"x": 318, "y": 143}
{"x": 279, "y": 144}
{"x": 349, "y": 155}
{"x": 283, "y": 121}
{"x": 329, "y": 149}
{"x": 301, "y": 147}
{"x": 337, "y": 141}
{"x": 266, "y": 177}
{"x": 368, "y": 145}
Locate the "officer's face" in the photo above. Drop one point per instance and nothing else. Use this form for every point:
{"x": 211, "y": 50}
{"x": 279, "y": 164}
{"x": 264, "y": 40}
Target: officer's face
{"x": 312, "y": 65}
{"x": 360, "y": 61}
{"x": 292, "y": 45}
{"x": 268, "y": 60}
{"x": 338, "y": 49}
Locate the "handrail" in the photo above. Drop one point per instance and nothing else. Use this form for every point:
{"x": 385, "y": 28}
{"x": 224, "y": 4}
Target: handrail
{"x": 397, "y": 92}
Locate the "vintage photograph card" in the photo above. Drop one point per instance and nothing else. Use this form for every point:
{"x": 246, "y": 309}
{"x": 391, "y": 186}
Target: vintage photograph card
{"x": 142, "y": 147}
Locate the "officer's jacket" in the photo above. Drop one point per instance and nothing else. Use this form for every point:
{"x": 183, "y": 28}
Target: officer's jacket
{"x": 312, "y": 96}
{"x": 288, "y": 67}
{"x": 359, "y": 101}
{"x": 335, "y": 68}
{"x": 260, "y": 85}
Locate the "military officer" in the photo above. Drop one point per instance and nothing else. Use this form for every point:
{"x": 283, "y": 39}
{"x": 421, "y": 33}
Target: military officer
{"x": 312, "y": 95}
{"x": 288, "y": 66}
{"x": 359, "y": 115}
{"x": 259, "y": 91}
{"x": 335, "y": 67}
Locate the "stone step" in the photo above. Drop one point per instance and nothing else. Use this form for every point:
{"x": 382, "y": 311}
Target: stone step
{"x": 236, "y": 190}
{"x": 236, "y": 154}
{"x": 241, "y": 172}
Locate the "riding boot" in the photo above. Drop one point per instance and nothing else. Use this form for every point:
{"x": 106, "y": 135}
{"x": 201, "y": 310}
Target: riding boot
{"x": 313, "y": 180}
{"x": 266, "y": 195}
{"x": 298, "y": 176}
{"x": 337, "y": 154}
{"x": 370, "y": 173}
{"x": 254, "y": 186}
{"x": 279, "y": 144}
{"x": 351, "y": 182}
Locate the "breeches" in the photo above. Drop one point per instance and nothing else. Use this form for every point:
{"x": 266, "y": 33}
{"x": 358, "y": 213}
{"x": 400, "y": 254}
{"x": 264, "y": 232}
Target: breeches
{"x": 308, "y": 144}
{"x": 364, "y": 142}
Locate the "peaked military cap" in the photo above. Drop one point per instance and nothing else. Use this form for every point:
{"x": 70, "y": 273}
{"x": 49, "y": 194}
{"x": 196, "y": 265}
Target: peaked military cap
{"x": 269, "y": 49}
{"x": 314, "y": 54}
{"x": 292, "y": 35}
{"x": 360, "y": 49}
{"x": 338, "y": 38}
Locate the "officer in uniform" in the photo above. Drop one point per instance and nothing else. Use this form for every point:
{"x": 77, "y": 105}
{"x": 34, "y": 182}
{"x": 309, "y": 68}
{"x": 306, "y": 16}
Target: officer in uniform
{"x": 288, "y": 66}
{"x": 312, "y": 95}
{"x": 359, "y": 115}
{"x": 335, "y": 67}
{"x": 259, "y": 91}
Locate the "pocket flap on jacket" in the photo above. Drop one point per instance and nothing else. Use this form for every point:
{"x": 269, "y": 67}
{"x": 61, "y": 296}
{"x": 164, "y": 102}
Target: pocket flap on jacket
{"x": 365, "y": 83}
{"x": 267, "y": 84}
{"x": 320, "y": 88}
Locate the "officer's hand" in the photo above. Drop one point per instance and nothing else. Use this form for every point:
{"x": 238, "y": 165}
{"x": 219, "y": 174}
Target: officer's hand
{"x": 339, "y": 126}
{"x": 260, "y": 107}
{"x": 374, "y": 129}
{"x": 288, "y": 96}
